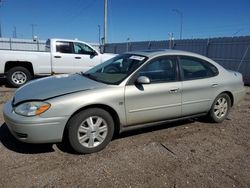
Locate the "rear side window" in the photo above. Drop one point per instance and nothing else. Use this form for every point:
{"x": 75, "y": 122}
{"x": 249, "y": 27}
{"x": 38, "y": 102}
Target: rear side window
{"x": 194, "y": 68}
{"x": 64, "y": 47}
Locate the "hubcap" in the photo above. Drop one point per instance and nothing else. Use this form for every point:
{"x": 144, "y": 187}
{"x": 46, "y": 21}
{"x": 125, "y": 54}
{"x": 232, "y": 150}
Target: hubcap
{"x": 92, "y": 131}
{"x": 19, "y": 77}
{"x": 221, "y": 107}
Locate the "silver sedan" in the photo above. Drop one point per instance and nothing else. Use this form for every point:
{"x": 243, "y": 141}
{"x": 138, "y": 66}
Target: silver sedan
{"x": 131, "y": 90}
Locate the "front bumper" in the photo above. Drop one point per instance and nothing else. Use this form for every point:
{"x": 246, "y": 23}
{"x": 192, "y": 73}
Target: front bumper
{"x": 34, "y": 129}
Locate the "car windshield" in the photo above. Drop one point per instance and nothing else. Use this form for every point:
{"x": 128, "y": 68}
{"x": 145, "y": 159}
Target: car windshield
{"x": 115, "y": 70}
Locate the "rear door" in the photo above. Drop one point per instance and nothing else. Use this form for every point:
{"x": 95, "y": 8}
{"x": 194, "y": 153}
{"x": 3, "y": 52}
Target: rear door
{"x": 63, "y": 58}
{"x": 199, "y": 86}
{"x": 159, "y": 100}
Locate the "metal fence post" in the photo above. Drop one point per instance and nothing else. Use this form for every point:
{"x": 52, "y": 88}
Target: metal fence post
{"x": 149, "y": 45}
{"x": 10, "y": 45}
{"x": 37, "y": 45}
{"x": 207, "y": 47}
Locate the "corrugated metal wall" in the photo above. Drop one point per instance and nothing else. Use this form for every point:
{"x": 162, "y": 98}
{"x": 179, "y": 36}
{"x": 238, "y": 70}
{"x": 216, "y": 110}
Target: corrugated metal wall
{"x": 231, "y": 52}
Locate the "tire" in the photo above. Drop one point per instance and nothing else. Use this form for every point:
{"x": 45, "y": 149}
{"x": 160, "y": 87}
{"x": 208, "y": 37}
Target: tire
{"x": 220, "y": 108}
{"x": 18, "y": 76}
{"x": 86, "y": 138}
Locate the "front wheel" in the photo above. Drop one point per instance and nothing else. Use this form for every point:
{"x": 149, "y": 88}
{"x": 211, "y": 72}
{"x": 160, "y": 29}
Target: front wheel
{"x": 220, "y": 108}
{"x": 90, "y": 130}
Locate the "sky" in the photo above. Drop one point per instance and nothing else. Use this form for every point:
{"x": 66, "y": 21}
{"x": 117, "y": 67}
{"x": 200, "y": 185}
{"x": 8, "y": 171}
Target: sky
{"x": 134, "y": 20}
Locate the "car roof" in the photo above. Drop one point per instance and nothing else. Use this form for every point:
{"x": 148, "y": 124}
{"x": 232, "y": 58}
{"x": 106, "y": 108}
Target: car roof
{"x": 160, "y": 52}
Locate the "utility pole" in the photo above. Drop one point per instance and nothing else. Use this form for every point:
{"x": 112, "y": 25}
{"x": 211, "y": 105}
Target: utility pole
{"x": 1, "y": 3}
{"x": 33, "y": 29}
{"x": 181, "y": 20}
{"x": 105, "y": 21}
{"x": 99, "y": 34}
{"x": 1, "y": 30}
{"x": 171, "y": 40}
{"x": 14, "y": 32}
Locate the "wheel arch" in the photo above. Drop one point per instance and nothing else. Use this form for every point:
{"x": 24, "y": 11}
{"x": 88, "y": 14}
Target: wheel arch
{"x": 11, "y": 64}
{"x": 230, "y": 96}
{"x": 107, "y": 108}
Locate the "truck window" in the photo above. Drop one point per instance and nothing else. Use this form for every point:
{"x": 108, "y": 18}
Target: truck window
{"x": 81, "y": 48}
{"x": 47, "y": 46}
{"x": 64, "y": 47}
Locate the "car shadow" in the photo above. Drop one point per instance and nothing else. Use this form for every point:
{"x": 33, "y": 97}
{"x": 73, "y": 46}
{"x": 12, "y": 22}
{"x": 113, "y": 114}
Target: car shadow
{"x": 11, "y": 143}
{"x": 3, "y": 82}
{"x": 153, "y": 128}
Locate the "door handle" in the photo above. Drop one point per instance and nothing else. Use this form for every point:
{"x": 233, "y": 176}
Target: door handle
{"x": 174, "y": 90}
{"x": 57, "y": 56}
{"x": 78, "y": 58}
{"x": 215, "y": 85}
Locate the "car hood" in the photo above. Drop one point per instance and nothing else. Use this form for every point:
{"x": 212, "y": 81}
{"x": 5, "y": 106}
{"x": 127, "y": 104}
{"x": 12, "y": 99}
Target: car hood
{"x": 50, "y": 87}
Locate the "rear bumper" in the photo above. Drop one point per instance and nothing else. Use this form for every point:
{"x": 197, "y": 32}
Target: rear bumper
{"x": 239, "y": 96}
{"x": 34, "y": 129}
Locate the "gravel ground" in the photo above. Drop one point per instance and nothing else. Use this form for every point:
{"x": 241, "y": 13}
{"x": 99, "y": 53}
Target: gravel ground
{"x": 189, "y": 153}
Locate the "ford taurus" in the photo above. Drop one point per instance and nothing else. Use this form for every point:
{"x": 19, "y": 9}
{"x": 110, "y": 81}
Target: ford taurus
{"x": 129, "y": 91}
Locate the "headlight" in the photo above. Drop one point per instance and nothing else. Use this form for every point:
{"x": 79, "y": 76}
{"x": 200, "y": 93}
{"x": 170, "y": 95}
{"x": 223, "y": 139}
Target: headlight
{"x": 32, "y": 108}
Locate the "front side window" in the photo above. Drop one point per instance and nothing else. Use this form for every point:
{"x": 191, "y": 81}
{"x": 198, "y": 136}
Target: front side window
{"x": 194, "y": 68}
{"x": 81, "y": 48}
{"x": 64, "y": 47}
{"x": 162, "y": 69}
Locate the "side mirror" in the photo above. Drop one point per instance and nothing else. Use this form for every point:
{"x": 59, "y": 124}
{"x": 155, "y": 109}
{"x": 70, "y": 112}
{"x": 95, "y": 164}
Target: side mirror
{"x": 93, "y": 53}
{"x": 143, "y": 80}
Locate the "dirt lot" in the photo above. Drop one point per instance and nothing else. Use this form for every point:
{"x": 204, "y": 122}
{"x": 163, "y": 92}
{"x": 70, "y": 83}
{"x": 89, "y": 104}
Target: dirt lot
{"x": 184, "y": 154}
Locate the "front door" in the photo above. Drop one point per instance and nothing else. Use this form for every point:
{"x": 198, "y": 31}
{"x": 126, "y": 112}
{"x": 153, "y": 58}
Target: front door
{"x": 159, "y": 100}
{"x": 85, "y": 57}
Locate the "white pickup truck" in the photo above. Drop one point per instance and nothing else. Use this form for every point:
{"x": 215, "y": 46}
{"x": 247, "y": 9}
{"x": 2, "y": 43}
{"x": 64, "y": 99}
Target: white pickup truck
{"x": 60, "y": 56}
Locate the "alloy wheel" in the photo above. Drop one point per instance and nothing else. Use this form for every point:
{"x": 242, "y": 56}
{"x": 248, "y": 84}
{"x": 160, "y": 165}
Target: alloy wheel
{"x": 221, "y": 107}
{"x": 92, "y": 131}
{"x": 19, "y": 77}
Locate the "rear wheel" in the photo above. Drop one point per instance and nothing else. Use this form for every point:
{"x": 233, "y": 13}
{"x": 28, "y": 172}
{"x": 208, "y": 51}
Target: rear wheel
{"x": 220, "y": 108}
{"x": 18, "y": 76}
{"x": 90, "y": 130}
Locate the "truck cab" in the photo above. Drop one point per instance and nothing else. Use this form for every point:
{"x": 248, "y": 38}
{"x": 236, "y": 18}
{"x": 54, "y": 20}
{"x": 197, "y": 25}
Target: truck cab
{"x": 69, "y": 56}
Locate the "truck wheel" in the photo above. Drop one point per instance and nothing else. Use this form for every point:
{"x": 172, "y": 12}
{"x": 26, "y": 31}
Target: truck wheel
{"x": 90, "y": 130}
{"x": 18, "y": 76}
